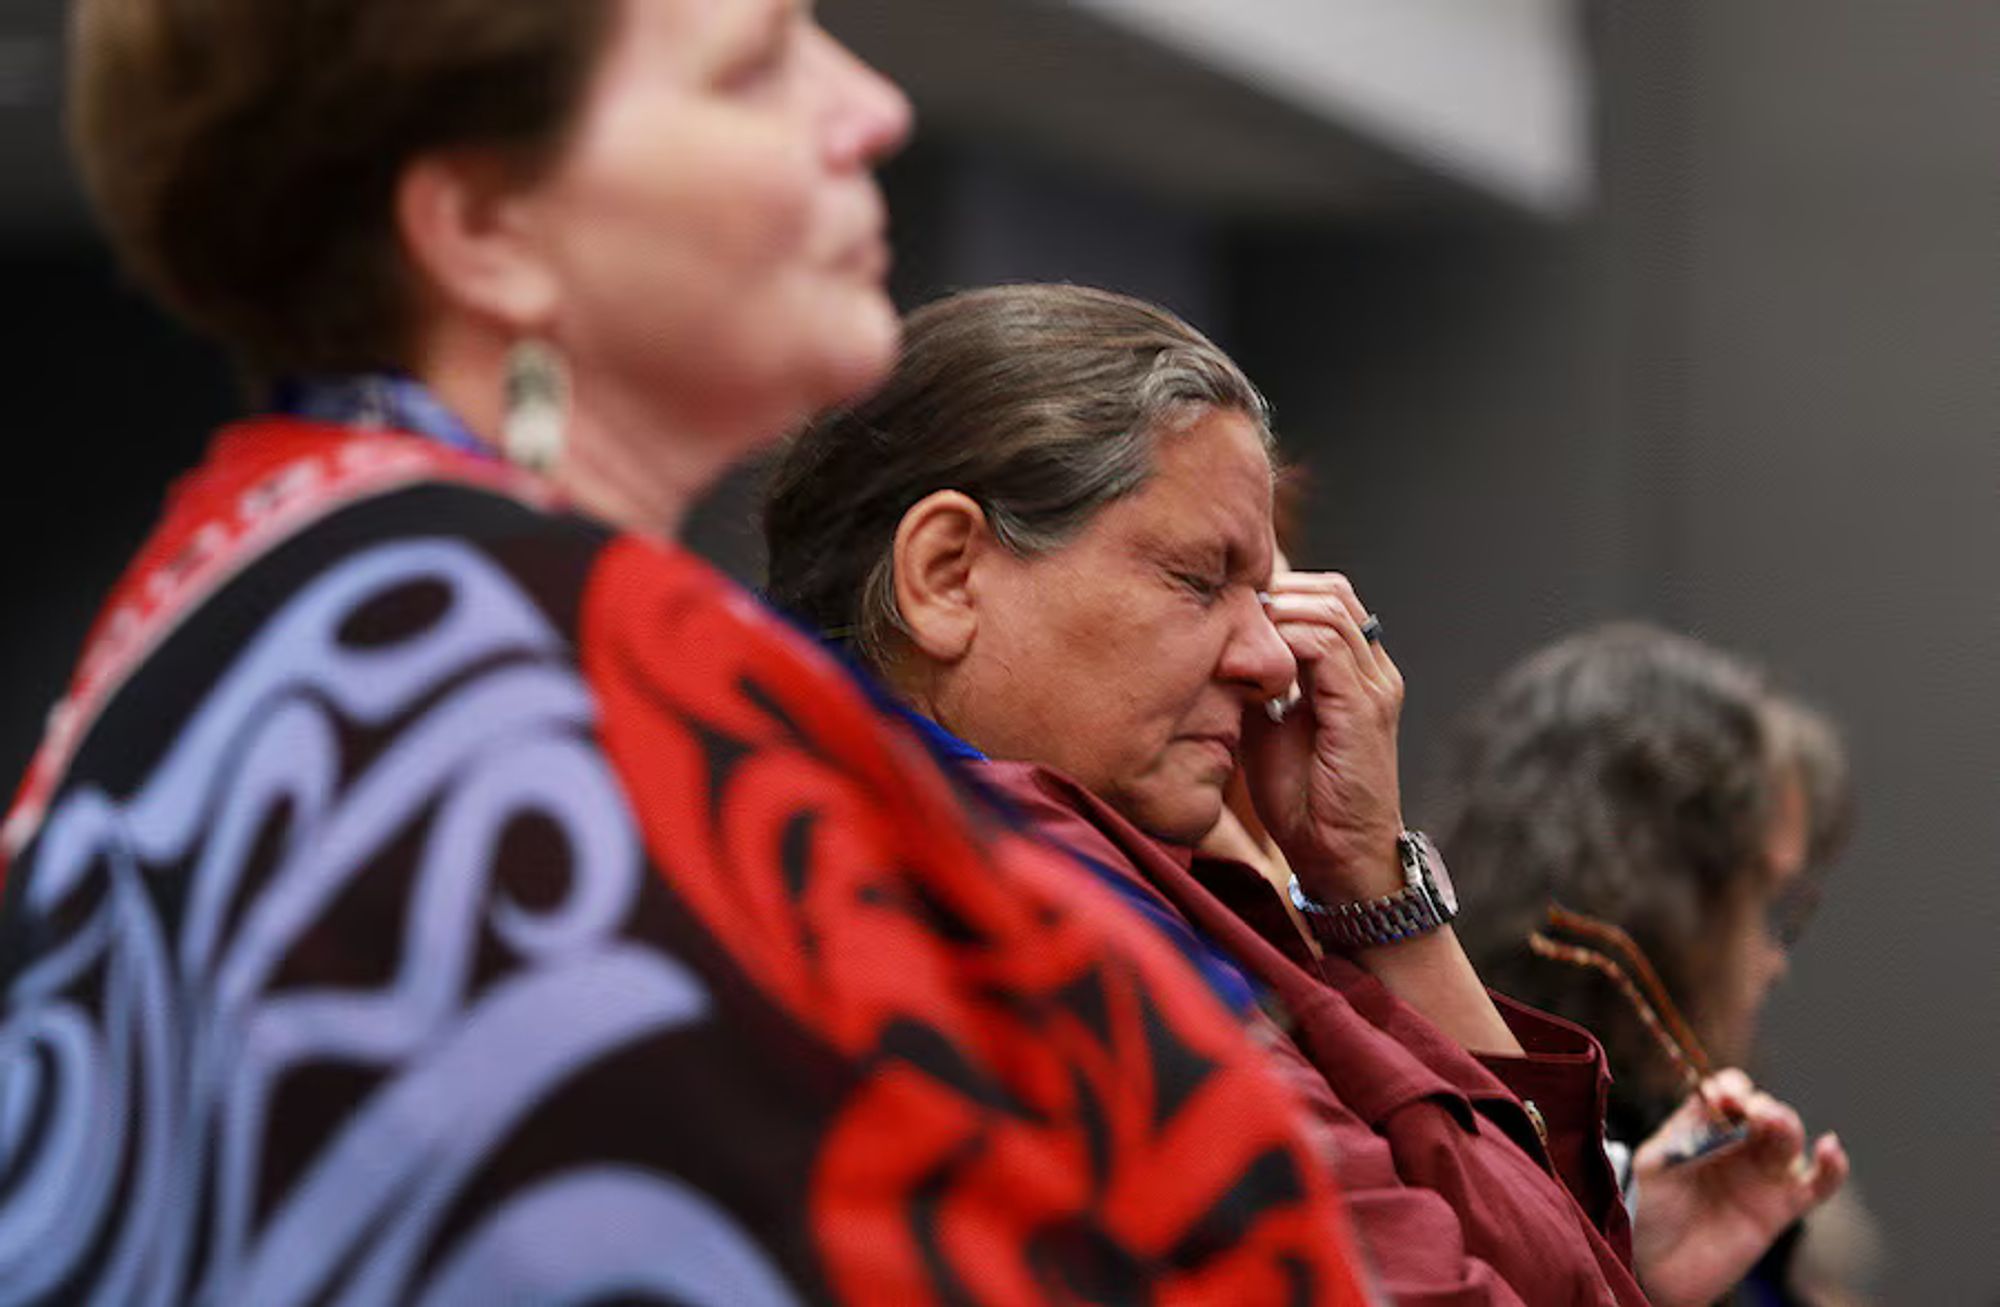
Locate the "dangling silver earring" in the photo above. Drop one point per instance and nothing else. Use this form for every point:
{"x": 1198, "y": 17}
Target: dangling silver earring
{"x": 537, "y": 404}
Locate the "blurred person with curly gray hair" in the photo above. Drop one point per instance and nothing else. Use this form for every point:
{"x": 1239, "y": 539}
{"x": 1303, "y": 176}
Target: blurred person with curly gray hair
{"x": 1664, "y": 787}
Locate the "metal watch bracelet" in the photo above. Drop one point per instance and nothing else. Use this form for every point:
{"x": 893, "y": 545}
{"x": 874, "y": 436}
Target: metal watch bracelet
{"x": 1425, "y": 903}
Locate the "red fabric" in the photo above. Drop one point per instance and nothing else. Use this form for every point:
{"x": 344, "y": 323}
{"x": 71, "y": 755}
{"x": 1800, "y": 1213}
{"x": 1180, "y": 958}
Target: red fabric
{"x": 669, "y": 647}
{"x": 1003, "y": 1114}
{"x": 263, "y": 481}
{"x": 1454, "y": 1198}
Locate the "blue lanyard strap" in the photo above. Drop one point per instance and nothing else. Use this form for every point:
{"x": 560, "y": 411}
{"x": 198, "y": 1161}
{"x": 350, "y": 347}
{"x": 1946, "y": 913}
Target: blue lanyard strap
{"x": 385, "y": 400}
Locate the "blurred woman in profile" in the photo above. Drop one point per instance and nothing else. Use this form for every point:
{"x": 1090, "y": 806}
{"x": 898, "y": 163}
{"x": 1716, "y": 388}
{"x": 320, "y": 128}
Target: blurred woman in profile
{"x": 1051, "y": 534}
{"x": 1665, "y": 787}
{"x": 436, "y": 886}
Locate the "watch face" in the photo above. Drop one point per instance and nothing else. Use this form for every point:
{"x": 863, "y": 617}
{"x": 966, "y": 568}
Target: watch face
{"x": 1438, "y": 874}
{"x": 1446, "y": 891}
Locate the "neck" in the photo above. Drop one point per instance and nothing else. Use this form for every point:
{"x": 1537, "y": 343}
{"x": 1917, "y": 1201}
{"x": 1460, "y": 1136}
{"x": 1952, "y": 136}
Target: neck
{"x": 911, "y": 680}
{"x": 623, "y": 463}
{"x": 636, "y": 471}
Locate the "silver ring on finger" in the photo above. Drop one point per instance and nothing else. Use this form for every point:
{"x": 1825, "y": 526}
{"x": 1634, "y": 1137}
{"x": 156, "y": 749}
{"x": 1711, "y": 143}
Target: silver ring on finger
{"x": 1371, "y": 630}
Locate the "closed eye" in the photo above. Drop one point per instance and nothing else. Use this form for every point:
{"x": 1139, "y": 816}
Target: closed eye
{"x": 1205, "y": 588}
{"x": 762, "y": 61}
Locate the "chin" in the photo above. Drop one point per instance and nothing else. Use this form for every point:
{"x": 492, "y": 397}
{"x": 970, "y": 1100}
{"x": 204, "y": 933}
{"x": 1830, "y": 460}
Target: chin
{"x": 863, "y": 349}
{"x": 1181, "y": 819}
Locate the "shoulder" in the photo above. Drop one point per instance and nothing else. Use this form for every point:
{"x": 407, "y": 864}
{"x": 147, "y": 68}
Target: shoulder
{"x": 280, "y": 505}
{"x": 355, "y": 538}
{"x": 1060, "y": 810}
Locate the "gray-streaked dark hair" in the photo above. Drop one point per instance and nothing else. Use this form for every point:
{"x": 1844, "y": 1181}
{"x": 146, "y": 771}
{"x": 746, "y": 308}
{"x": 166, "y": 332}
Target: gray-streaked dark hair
{"x": 1040, "y": 402}
{"x": 1631, "y": 774}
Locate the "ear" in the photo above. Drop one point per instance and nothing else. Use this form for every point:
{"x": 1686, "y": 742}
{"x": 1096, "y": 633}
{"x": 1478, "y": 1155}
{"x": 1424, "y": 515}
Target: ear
{"x": 466, "y": 222}
{"x": 939, "y": 545}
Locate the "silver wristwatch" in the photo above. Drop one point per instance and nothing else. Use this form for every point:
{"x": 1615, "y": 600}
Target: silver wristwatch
{"x": 1426, "y": 901}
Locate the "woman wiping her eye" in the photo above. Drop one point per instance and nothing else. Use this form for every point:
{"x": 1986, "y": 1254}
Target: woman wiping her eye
{"x": 1051, "y": 535}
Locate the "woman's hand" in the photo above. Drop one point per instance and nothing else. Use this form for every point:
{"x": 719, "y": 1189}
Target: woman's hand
{"x": 1700, "y": 1226}
{"x": 1324, "y": 780}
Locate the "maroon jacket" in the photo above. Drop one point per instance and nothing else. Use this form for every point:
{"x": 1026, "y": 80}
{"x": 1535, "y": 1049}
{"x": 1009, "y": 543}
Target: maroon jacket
{"x": 1456, "y": 1198}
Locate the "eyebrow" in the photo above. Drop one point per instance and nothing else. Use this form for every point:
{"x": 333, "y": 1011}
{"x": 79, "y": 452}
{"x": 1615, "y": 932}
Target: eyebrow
{"x": 790, "y": 11}
{"x": 1239, "y": 552}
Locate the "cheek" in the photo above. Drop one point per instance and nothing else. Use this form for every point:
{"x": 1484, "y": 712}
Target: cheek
{"x": 774, "y": 292}
{"x": 763, "y": 218}
{"x": 685, "y": 197}
{"x": 692, "y": 281}
{"x": 1067, "y": 657}
{"x": 1753, "y": 965}
{"x": 1156, "y": 669}
{"x": 738, "y": 230}
{"x": 1184, "y": 648}
{"x": 755, "y": 190}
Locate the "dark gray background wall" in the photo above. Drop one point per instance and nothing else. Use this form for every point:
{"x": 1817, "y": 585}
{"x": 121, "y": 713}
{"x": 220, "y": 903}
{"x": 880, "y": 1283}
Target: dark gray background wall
{"x": 1835, "y": 500}
{"x": 1756, "y": 394}
{"x": 1752, "y": 391}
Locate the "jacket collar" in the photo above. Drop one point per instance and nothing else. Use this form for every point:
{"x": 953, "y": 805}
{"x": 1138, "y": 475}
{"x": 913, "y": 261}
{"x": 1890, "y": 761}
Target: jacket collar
{"x": 1377, "y": 1052}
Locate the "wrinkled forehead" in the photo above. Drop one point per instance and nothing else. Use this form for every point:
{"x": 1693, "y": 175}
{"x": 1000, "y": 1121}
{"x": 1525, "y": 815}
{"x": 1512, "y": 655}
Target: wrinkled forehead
{"x": 1211, "y": 483}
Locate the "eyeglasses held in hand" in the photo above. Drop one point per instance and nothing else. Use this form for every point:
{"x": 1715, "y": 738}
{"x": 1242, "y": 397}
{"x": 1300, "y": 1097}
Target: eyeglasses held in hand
{"x": 1613, "y": 954}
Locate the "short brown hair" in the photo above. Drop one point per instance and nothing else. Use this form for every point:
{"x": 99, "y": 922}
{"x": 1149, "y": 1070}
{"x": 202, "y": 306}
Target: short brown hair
{"x": 244, "y": 154}
{"x": 1040, "y": 402}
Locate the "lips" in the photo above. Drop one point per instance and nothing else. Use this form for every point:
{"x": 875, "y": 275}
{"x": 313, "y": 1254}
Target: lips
{"x": 869, "y": 254}
{"x": 868, "y": 259}
{"x": 1226, "y": 745}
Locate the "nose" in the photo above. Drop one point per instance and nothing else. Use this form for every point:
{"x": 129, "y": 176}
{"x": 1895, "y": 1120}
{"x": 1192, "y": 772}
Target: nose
{"x": 870, "y": 117}
{"x": 1256, "y": 656}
